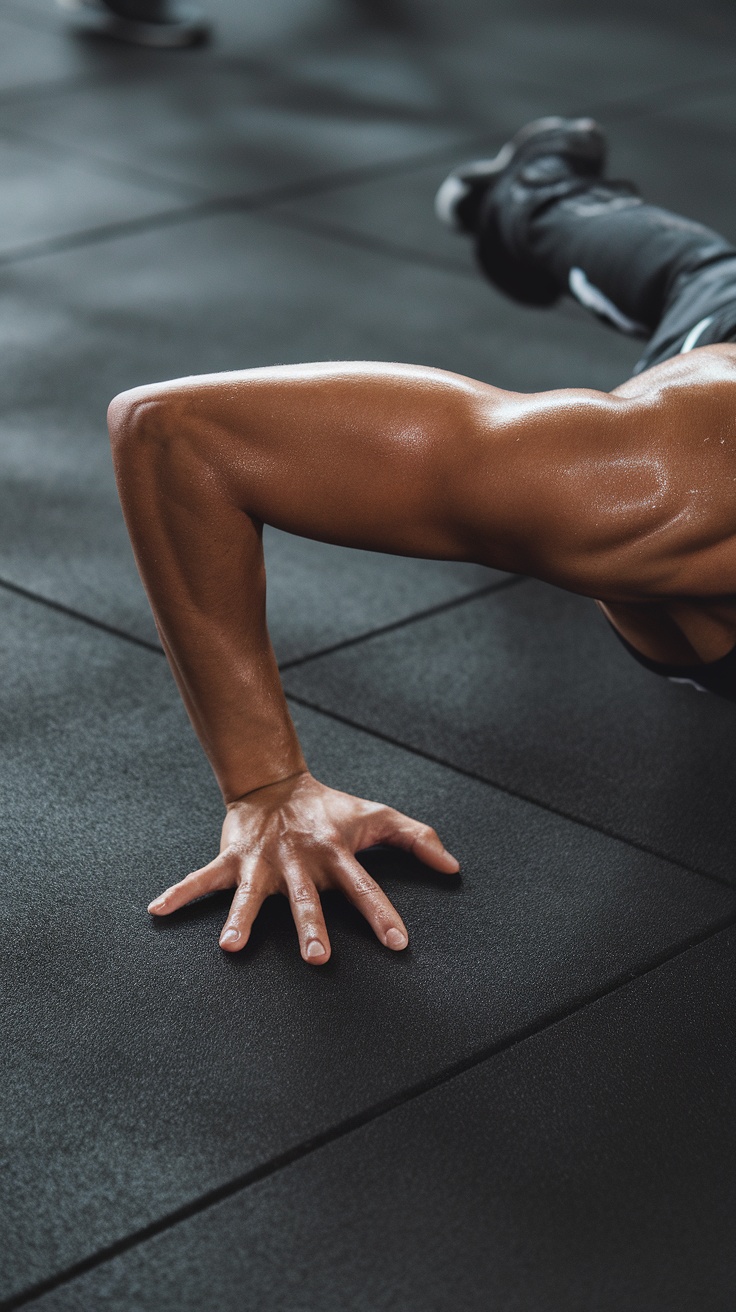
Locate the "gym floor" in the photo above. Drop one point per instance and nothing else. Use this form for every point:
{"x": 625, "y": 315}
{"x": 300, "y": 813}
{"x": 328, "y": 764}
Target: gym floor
{"x": 532, "y": 1109}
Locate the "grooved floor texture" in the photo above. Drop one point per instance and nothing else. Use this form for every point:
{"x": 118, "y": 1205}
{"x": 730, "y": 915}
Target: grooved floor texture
{"x": 566, "y": 1172}
{"x": 531, "y": 1110}
{"x": 530, "y": 689}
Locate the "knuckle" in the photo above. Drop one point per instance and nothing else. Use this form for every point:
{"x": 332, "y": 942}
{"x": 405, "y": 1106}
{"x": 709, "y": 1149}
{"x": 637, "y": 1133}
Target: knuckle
{"x": 423, "y": 834}
{"x": 362, "y": 885}
{"x": 246, "y": 887}
{"x": 302, "y": 892}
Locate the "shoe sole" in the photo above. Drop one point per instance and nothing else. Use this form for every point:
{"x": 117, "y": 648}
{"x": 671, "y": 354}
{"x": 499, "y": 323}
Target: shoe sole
{"x": 457, "y": 184}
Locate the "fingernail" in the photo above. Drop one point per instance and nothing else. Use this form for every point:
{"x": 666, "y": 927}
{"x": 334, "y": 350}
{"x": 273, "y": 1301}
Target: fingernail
{"x": 230, "y": 935}
{"x": 315, "y": 948}
{"x": 396, "y": 940}
{"x": 157, "y": 903}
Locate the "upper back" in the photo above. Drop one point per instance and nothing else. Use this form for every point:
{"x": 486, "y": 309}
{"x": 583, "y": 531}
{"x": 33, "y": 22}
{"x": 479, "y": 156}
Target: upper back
{"x": 683, "y": 421}
{"x": 627, "y": 496}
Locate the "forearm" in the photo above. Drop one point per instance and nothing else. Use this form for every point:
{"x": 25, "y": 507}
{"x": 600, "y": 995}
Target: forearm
{"x": 201, "y": 561}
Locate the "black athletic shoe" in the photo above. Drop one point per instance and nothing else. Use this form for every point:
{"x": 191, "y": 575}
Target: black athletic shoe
{"x": 547, "y": 151}
{"x": 158, "y": 24}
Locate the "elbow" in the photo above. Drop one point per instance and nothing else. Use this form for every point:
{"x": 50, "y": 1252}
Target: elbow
{"x": 138, "y": 420}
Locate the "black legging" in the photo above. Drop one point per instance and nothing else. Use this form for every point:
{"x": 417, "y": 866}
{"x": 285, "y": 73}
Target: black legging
{"x": 644, "y": 270}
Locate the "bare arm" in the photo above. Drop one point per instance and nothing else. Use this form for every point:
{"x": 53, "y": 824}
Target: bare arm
{"x": 388, "y": 457}
{"x": 200, "y": 465}
{"x": 203, "y": 463}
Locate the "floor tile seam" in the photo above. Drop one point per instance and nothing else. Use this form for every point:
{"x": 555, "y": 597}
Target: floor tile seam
{"x": 368, "y": 1116}
{"x": 364, "y": 241}
{"x": 289, "y": 192}
{"x": 507, "y": 790}
{"x": 153, "y": 647}
{"x": 257, "y": 201}
{"x": 351, "y": 106}
{"x": 355, "y": 239}
{"x": 648, "y": 102}
{"x": 98, "y": 164}
{"x": 250, "y": 202}
{"x": 63, "y": 85}
{"x": 440, "y": 608}
{"x": 380, "y": 245}
{"x": 80, "y": 616}
{"x": 148, "y": 645}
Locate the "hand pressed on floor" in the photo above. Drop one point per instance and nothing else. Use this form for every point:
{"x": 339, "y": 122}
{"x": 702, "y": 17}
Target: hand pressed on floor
{"x": 299, "y": 837}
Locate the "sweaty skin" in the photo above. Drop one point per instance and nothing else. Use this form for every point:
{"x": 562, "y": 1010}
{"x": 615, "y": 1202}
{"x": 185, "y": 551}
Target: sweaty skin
{"x": 628, "y": 497}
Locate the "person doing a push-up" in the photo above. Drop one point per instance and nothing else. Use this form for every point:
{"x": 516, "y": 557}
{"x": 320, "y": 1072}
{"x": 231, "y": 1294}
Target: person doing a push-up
{"x": 627, "y": 497}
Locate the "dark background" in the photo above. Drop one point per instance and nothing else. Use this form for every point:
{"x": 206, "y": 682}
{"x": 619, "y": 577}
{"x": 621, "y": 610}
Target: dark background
{"x": 532, "y": 1109}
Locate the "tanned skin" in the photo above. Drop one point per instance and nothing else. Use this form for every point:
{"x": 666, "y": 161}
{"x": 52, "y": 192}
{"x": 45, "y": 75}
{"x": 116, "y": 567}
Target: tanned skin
{"x": 627, "y": 497}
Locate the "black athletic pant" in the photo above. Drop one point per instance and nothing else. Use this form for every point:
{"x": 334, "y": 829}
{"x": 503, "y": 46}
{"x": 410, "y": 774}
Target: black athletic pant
{"x": 646, "y": 271}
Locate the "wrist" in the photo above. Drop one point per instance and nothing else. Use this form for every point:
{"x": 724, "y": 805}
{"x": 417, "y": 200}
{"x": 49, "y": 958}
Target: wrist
{"x": 263, "y": 759}
{"x": 278, "y": 780}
